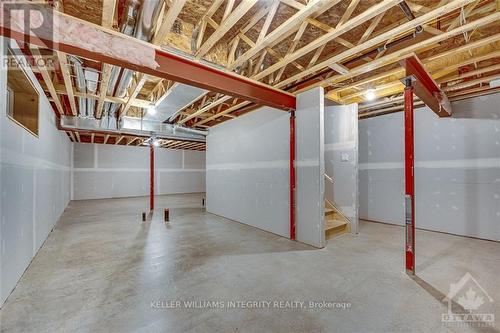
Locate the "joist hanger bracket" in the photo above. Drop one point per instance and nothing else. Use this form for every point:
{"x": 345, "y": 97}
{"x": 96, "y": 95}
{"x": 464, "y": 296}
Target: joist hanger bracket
{"x": 408, "y": 81}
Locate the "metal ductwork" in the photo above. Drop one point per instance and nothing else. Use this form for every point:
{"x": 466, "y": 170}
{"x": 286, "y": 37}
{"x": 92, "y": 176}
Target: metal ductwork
{"x": 130, "y": 15}
{"x": 139, "y": 21}
{"x": 144, "y": 30}
{"x": 160, "y": 128}
{"x": 86, "y": 82}
{"x": 238, "y": 53}
{"x": 91, "y": 77}
{"x": 189, "y": 130}
{"x": 113, "y": 78}
{"x": 148, "y": 18}
{"x": 135, "y": 127}
{"x": 194, "y": 38}
{"x": 108, "y": 121}
{"x": 80, "y": 84}
{"x": 127, "y": 27}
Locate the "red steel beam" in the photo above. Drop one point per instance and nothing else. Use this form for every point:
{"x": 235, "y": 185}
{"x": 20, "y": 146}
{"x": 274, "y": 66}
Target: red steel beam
{"x": 409, "y": 179}
{"x": 426, "y": 88}
{"x": 68, "y": 34}
{"x": 151, "y": 177}
{"x": 420, "y": 83}
{"x": 292, "y": 175}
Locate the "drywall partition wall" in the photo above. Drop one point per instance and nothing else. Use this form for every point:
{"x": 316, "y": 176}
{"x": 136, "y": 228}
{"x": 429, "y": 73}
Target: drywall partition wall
{"x": 35, "y": 185}
{"x": 248, "y": 170}
{"x": 310, "y": 167}
{"x": 457, "y": 171}
{"x": 114, "y": 171}
{"x": 341, "y": 160}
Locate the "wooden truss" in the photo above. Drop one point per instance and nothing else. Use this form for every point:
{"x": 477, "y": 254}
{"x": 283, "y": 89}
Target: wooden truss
{"x": 345, "y": 46}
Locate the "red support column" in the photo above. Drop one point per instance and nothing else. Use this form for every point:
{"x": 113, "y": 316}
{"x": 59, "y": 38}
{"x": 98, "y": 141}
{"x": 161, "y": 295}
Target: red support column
{"x": 292, "y": 175}
{"x": 409, "y": 178}
{"x": 151, "y": 177}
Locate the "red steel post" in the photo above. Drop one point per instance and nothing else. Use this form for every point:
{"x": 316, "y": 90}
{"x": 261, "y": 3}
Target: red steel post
{"x": 292, "y": 175}
{"x": 409, "y": 179}
{"x": 151, "y": 177}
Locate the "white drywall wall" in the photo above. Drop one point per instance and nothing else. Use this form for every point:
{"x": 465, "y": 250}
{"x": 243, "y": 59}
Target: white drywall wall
{"x": 310, "y": 167}
{"x": 248, "y": 170}
{"x": 34, "y": 183}
{"x": 457, "y": 170}
{"x": 341, "y": 160}
{"x": 114, "y": 171}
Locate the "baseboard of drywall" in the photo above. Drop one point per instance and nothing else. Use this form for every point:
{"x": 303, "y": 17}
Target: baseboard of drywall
{"x": 431, "y": 230}
{"x": 260, "y": 229}
{"x": 138, "y": 196}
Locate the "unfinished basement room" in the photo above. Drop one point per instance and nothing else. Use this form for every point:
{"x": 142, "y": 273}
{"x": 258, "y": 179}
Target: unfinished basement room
{"x": 250, "y": 166}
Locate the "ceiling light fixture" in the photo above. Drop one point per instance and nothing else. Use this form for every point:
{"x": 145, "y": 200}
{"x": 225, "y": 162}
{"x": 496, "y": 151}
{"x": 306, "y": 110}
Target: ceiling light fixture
{"x": 152, "y": 141}
{"x": 370, "y": 95}
{"x": 152, "y": 110}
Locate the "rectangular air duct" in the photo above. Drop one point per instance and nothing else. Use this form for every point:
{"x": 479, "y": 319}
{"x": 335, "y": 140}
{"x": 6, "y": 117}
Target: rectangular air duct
{"x": 135, "y": 127}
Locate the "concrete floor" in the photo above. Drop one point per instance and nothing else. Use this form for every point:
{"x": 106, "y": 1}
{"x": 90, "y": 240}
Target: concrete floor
{"x": 101, "y": 268}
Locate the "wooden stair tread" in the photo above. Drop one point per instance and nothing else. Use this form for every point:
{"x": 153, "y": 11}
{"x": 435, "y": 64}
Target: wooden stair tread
{"x": 333, "y": 223}
{"x": 335, "y": 227}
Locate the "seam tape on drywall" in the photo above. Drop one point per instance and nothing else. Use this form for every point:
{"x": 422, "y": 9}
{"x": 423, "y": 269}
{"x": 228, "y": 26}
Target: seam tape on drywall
{"x": 23, "y": 160}
{"x": 480, "y": 163}
{"x": 134, "y": 170}
{"x": 278, "y": 164}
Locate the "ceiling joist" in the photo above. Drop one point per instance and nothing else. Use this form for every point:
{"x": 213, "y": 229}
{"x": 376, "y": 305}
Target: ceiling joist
{"x": 297, "y": 45}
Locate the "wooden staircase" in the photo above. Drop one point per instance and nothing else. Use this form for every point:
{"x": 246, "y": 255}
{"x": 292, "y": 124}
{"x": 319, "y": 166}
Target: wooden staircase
{"x": 335, "y": 223}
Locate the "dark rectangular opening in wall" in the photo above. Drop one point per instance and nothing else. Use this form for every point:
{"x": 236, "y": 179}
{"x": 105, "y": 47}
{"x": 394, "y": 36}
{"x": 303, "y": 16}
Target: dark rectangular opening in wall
{"x": 22, "y": 97}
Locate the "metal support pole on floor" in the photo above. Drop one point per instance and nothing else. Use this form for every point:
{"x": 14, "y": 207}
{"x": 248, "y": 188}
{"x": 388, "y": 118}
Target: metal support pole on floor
{"x": 409, "y": 178}
{"x": 292, "y": 175}
{"x": 420, "y": 83}
{"x": 151, "y": 177}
